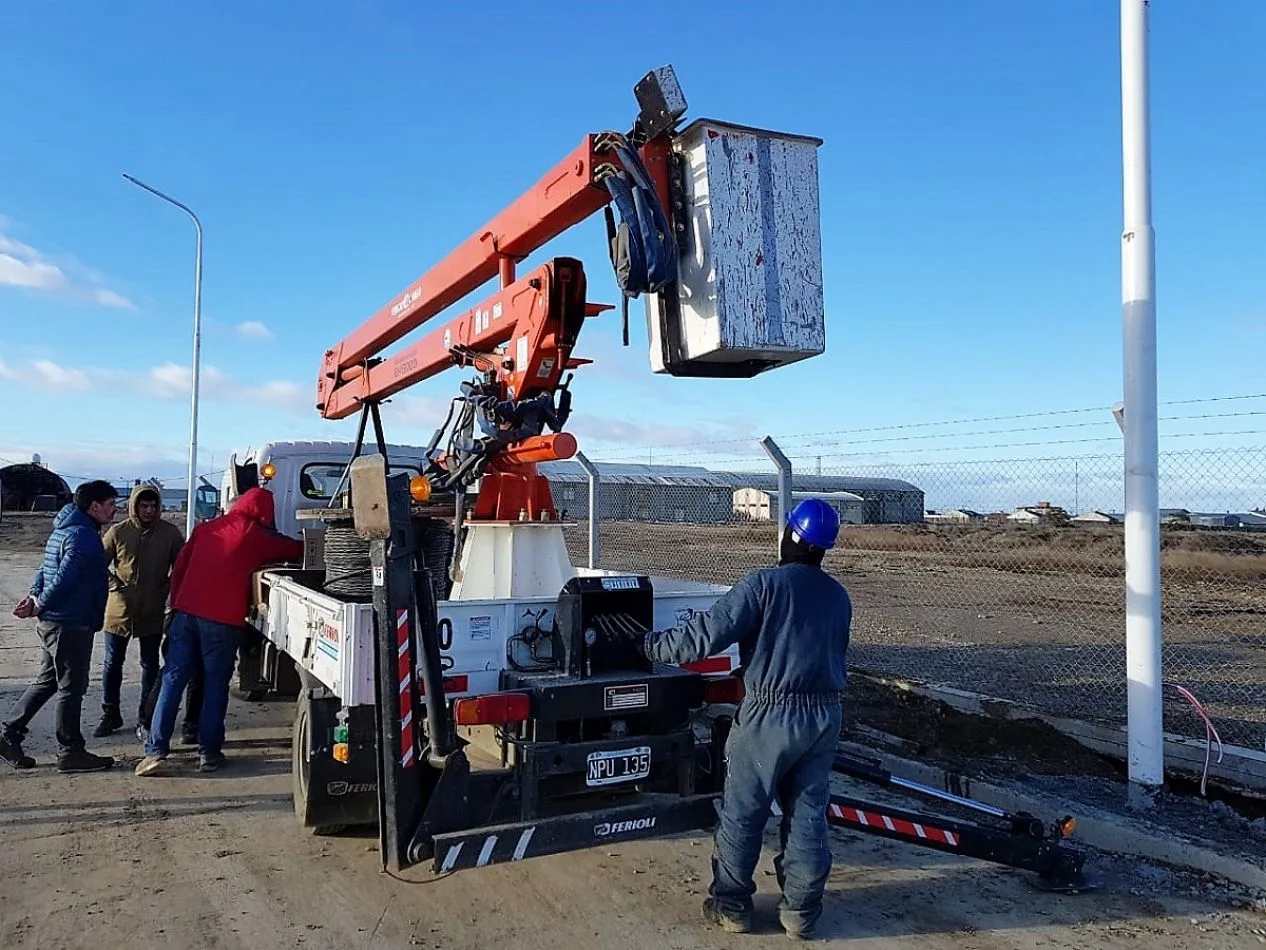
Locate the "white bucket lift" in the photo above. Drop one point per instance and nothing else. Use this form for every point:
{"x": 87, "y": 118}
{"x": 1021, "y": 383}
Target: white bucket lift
{"x": 749, "y": 294}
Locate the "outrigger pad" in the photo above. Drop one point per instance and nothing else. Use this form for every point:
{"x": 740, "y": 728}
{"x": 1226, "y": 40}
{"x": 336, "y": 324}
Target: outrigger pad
{"x": 369, "y": 488}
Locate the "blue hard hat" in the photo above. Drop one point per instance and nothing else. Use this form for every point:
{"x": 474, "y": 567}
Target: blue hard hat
{"x": 815, "y": 522}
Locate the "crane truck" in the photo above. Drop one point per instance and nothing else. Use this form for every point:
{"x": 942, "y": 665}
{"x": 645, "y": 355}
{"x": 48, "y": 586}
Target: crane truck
{"x": 460, "y": 683}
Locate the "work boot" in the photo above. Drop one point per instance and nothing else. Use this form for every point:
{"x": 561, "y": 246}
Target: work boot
{"x": 732, "y": 922}
{"x": 111, "y": 721}
{"x": 12, "y": 753}
{"x": 81, "y": 760}
{"x": 188, "y": 735}
{"x": 212, "y": 763}
{"x": 796, "y": 926}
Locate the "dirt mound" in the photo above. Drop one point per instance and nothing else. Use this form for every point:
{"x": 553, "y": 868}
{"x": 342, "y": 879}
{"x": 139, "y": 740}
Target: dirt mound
{"x": 975, "y": 744}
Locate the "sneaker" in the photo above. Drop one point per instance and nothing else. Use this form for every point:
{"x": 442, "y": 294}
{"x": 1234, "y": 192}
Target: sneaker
{"x": 12, "y": 753}
{"x": 733, "y": 922}
{"x": 110, "y": 723}
{"x": 189, "y": 736}
{"x": 81, "y": 760}
{"x": 151, "y": 765}
{"x": 212, "y": 763}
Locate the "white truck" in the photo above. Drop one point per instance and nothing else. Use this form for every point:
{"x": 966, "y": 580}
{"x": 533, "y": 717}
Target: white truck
{"x": 319, "y": 645}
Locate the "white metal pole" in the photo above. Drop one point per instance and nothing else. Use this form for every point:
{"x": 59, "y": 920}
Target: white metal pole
{"x": 595, "y": 522}
{"x": 783, "y": 465}
{"x": 190, "y": 502}
{"x": 1142, "y": 516}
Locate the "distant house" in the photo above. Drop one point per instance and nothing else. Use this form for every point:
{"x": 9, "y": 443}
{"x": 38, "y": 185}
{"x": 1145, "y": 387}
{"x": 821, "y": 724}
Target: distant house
{"x": 1024, "y": 516}
{"x": 1041, "y": 513}
{"x": 755, "y": 504}
{"x": 954, "y": 515}
{"x": 1097, "y": 517}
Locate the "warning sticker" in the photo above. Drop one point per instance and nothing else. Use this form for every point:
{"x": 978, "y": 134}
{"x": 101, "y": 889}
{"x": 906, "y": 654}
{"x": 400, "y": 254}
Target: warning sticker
{"x": 481, "y": 628}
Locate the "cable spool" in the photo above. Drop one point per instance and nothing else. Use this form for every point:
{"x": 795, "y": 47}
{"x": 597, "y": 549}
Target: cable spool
{"x": 433, "y": 538}
{"x": 347, "y": 568}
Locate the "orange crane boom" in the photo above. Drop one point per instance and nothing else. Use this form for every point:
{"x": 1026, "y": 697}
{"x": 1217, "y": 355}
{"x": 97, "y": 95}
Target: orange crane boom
{"x": 521, "y": 337}
{"x": 566, "y": 195}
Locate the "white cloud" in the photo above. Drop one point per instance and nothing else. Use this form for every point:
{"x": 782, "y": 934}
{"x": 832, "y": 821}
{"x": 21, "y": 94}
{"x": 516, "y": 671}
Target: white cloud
{"x": 175, "y": 381}
{"x": 254, "y": 330}
{"x": 166, "y": 381}
{"x": 55, "y": 376}
{"x": 108, "y": 298}
{"x": 416, "y": 412}
{"x": 46, "y": 374}
{"x": 23, "y": 266}
{"x": 732, "y": 436}
{"x": 31, "y": 275}
{"x": 116, "y": 461}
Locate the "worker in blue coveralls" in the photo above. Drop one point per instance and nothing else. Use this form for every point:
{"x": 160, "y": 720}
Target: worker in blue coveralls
{"x": 791, "y": 623}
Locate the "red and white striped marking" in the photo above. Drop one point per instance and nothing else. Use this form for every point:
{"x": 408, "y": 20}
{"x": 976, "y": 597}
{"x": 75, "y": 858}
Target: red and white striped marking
{"x": 872, "y": 819}
{"x": 407, "y": 728}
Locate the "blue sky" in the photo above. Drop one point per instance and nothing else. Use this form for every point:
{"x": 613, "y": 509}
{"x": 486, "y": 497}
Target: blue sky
{"x": 970, "y": 185}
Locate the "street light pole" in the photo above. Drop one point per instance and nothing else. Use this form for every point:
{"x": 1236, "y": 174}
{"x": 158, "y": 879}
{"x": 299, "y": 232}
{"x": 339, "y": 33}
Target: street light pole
{"x": 1143, "y": 657}
{"x": 190, "y": 516}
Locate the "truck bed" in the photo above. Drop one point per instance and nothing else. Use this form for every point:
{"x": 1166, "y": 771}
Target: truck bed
{"x": 333, "y": 640}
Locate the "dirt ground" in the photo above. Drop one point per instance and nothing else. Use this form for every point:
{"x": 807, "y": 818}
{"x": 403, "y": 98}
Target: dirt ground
{"x": 199, "y": 862}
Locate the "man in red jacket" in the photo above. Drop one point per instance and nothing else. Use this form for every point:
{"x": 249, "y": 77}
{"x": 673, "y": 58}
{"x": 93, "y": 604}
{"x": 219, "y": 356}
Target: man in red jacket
{"x": 210, "y": 597}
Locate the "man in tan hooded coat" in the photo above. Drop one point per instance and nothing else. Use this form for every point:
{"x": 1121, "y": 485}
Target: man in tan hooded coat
{"x": 140, "y": 552}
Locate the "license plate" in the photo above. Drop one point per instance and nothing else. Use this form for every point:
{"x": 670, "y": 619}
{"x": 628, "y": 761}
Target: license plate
{"x": 624, "y": 765}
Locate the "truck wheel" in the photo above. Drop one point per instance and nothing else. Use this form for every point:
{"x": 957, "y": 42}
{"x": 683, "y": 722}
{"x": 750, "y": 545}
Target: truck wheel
{"x": 301, "y": 768}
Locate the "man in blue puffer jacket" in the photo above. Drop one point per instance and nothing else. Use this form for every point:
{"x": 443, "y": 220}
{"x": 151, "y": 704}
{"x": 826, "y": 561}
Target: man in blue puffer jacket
{"x": 68, "y": 598}
{"x": 791, "y": 624}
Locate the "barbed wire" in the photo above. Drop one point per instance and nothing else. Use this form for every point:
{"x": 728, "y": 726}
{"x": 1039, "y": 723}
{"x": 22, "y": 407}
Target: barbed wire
{"x": 637, "y": 450}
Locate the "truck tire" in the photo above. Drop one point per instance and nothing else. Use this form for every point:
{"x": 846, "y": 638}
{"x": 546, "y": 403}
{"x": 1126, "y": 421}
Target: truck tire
{"x": 301, "y": 768}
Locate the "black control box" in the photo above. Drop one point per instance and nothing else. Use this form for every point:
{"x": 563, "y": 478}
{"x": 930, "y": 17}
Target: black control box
{"x": 601, "y": 622}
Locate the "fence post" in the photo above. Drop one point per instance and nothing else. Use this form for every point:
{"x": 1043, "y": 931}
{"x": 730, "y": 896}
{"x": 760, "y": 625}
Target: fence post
{"x": 1145, "y": 727}
{"x": 783, "y": 464}
{"x": 592, "y": 471}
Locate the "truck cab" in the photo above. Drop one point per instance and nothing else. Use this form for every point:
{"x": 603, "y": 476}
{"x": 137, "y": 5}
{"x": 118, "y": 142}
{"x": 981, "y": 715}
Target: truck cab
{"x": 302, "y": 475}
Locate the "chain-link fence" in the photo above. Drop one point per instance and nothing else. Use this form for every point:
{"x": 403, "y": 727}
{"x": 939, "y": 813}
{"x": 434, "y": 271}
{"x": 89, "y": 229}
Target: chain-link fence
{"x": 1003, "y": 577}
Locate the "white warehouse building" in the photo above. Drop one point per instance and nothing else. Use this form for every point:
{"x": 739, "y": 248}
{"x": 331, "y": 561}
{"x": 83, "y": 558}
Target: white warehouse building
{"x": 692, "y": 494}
{"x": 756, "y": 504}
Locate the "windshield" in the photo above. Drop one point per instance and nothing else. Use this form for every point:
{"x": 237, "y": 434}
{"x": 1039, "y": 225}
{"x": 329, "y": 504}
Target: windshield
{"x": 320, "y": 480}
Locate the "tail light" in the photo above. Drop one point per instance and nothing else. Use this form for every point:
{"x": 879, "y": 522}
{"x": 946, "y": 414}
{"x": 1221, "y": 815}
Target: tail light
{"x": 713, "y": 664}
{"x": 495, "y": 709}
{"x": 726, "y": 690}
{"x": 452, "y": 684}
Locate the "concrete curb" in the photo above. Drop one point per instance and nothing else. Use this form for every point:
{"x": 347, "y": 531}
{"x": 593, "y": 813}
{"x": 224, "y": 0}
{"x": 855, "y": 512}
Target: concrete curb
{"x": 1095, "y": 828}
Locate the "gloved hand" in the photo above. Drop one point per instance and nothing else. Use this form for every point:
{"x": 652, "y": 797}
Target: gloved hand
{"x": 643, "y": 642}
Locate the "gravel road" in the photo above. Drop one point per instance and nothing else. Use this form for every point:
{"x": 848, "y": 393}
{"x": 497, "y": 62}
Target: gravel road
{"x": 199, "y": 862}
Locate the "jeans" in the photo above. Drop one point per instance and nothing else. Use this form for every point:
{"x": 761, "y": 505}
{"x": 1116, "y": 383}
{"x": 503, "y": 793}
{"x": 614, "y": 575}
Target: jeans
{"x": 777, "y": 751}
{"x": 193, "y": 695}
{"x": 63, "y": 672}
{"x": 189, "y": 639}
{"x": 112, "y": 670}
